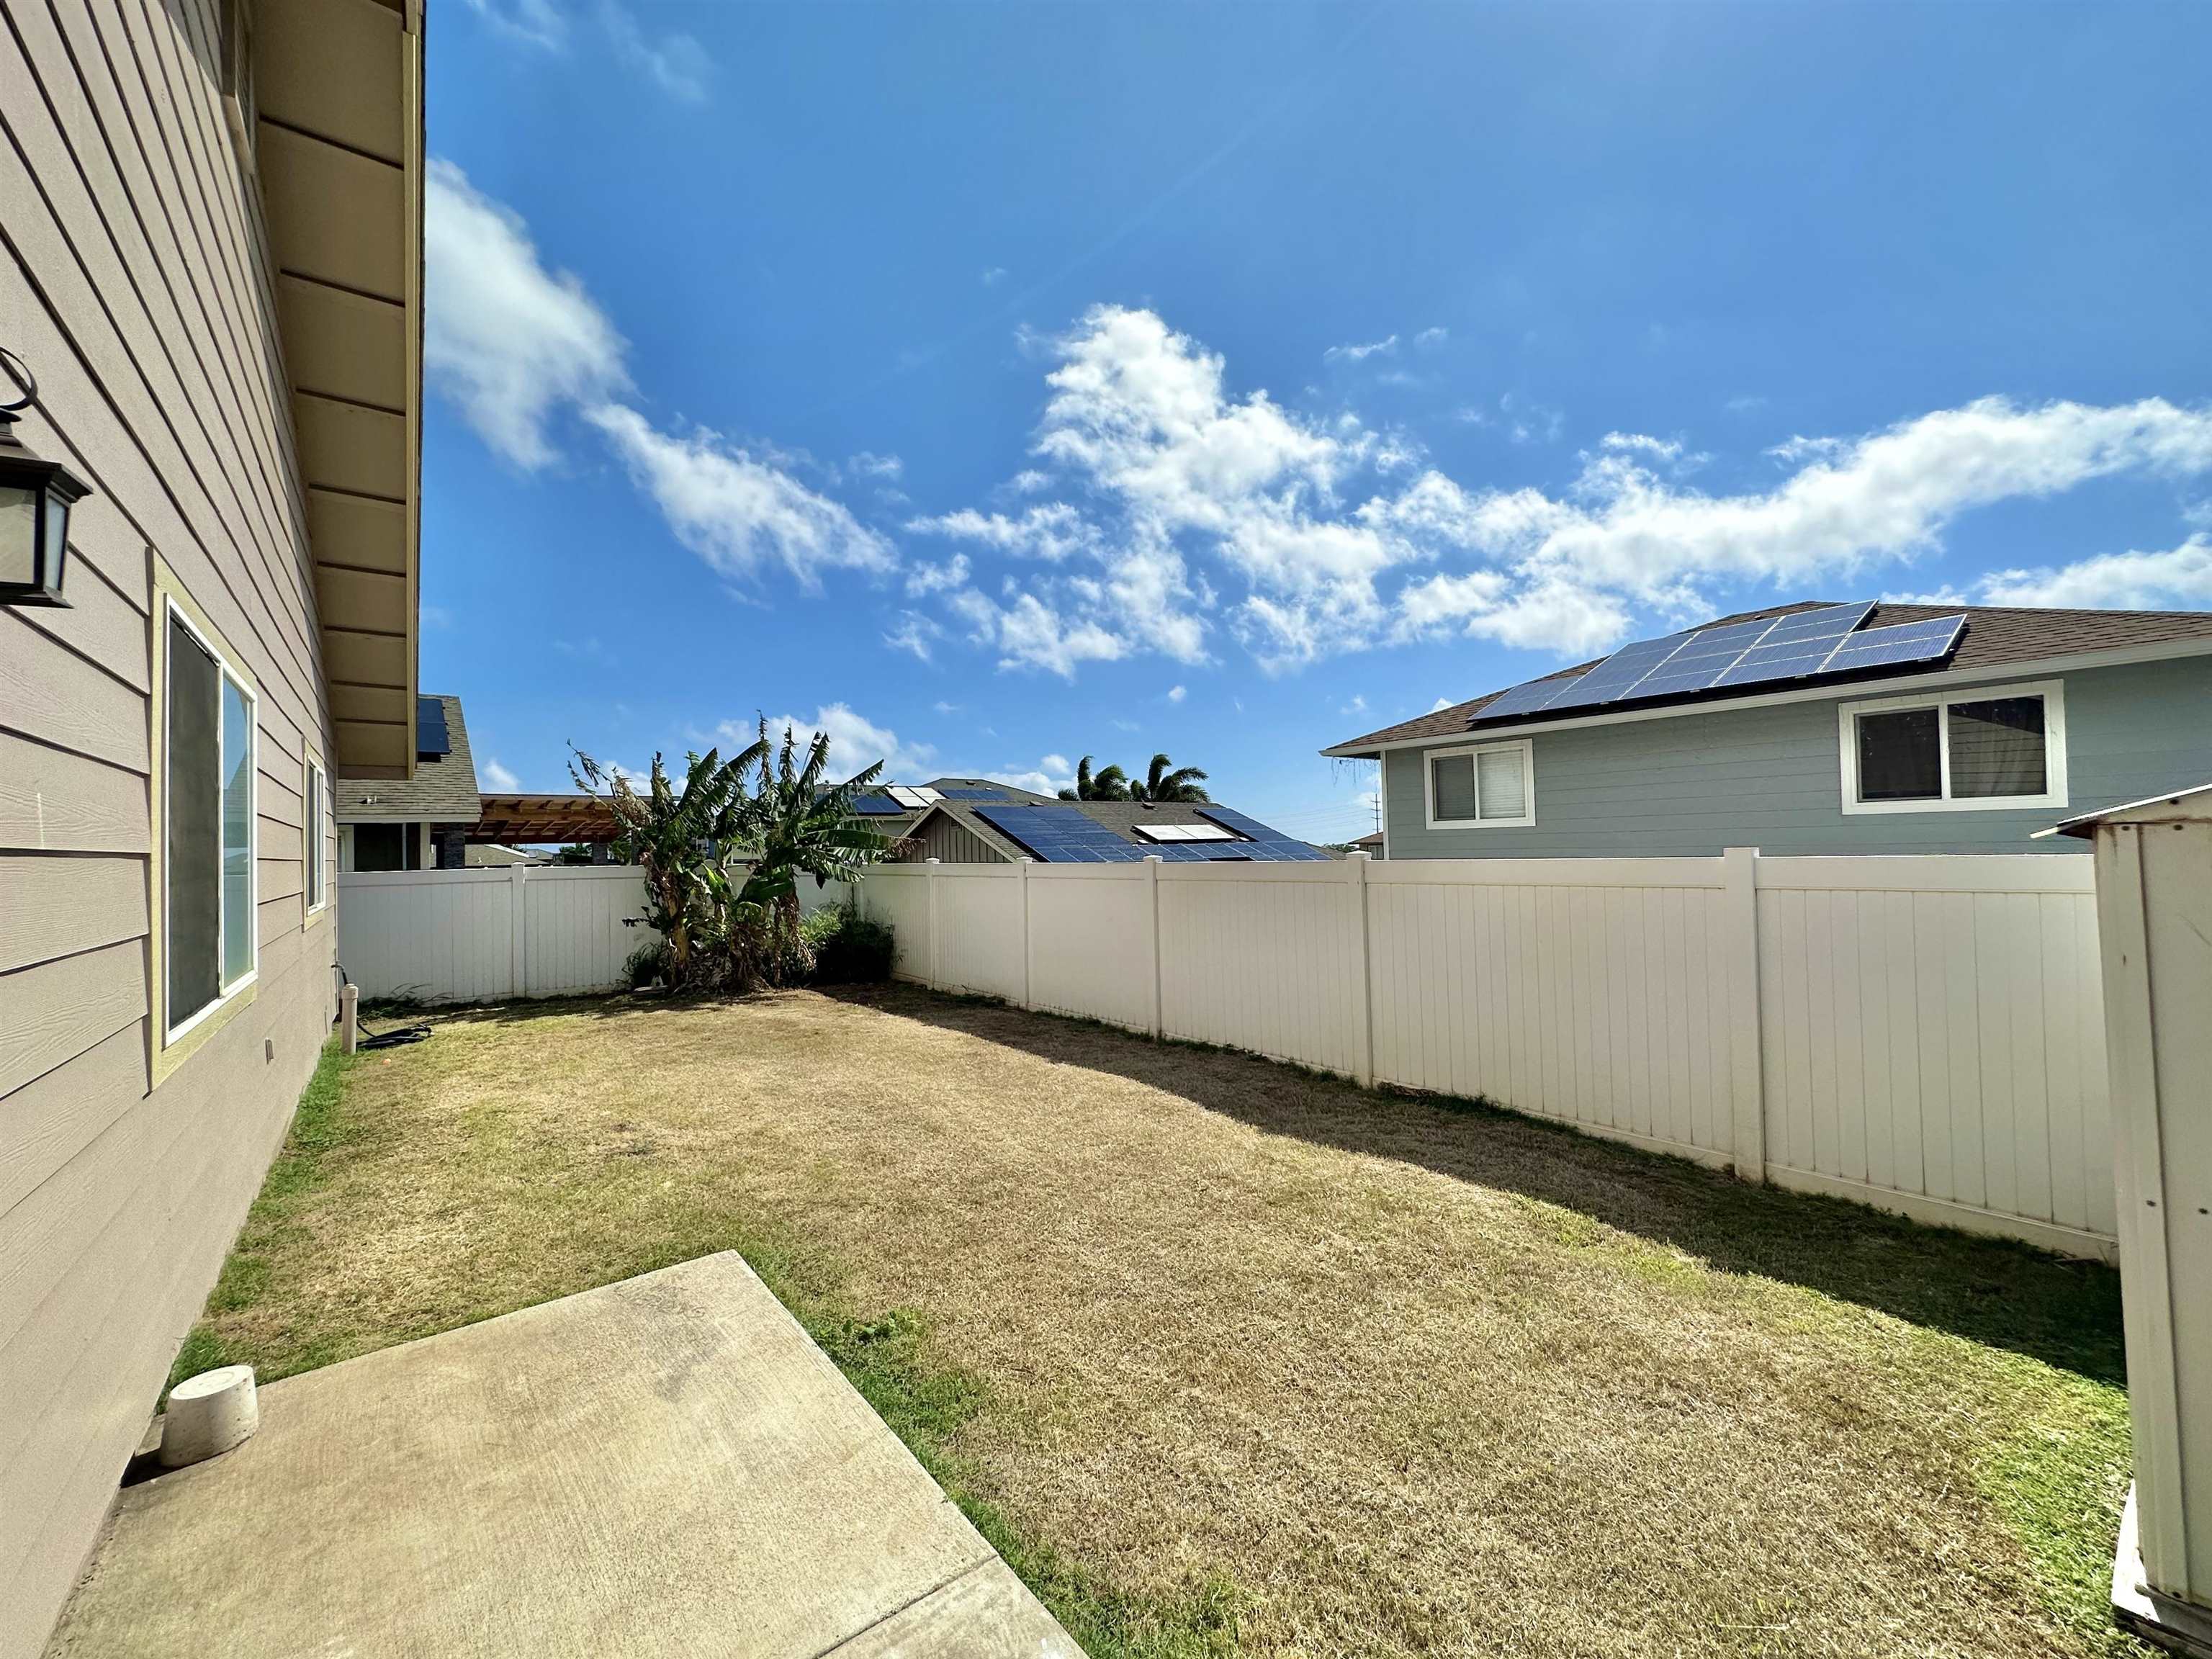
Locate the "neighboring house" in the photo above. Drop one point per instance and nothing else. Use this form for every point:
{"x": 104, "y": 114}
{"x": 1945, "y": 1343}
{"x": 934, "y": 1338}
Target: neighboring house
{"x": 1805, "y": 729}
{"x": 421, "y": 823}
{"x": 975, "y": 821}
{"x": 1373, "y": 845}
{"x": 213, "y": 271}
{"x": 498, "y": 858}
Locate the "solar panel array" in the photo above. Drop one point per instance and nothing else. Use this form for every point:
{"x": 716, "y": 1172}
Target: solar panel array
{"x": 877, "y": 805}
{"x": 430, "y": 734}
{"x": 1062, "y": 835}
{"x": 974, "y": 794}
{"x": 1768, "y": 649}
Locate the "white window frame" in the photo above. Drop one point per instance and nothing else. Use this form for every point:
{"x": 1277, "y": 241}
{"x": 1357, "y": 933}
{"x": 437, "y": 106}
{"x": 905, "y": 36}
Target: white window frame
{"x": 2053, "y": 693}
{"x": 1527, "y": 820}
{"x": 227, "y": 992}
{"x": 315, "y": 858}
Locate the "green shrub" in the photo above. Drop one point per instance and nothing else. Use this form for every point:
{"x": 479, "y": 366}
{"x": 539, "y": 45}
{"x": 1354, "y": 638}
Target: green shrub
{"x": 648, "y": 963}
{"x": 849, "y": 949}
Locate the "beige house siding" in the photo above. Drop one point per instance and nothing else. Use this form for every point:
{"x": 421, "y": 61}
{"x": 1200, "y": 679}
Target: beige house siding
{"x": 137, "y": 283}
{"x": 939, "y": 837}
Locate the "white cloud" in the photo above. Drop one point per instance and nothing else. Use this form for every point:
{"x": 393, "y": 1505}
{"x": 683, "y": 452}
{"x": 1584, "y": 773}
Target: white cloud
{"x": 867, "y": 465}
{"x": 855, "y": 742}
{"x": 1430, "y": 338}
{"x": 1028, "y": 482}
{"x": 507, "y": 340}
{"x": 2178, "y": 579}
{"x": 538, "y": 23}
{"x": 498, "y": 779}
{"x": 1181, "y": 504}
{"x": 1357, "y": 353}
{"x": 737, "y": 512}
{"x": 993, "y": 274}
{"x": 1440, "y": 705}
{"x": 923, "y": 580}
{"x": 915, "y": 633}
{"x": 1177, "y": 693}
{"x": 1051, "y": 531}
{"x": 674, "y": 62}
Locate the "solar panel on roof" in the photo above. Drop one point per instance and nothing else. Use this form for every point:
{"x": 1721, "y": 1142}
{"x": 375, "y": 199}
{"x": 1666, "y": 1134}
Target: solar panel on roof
{"x": 877, "y": 805}
{"x": 1285, "y": 848}
{"x": 1901, "y": 642}
{"x": 430, "y": 735}
{"x": 1522, "y": 699}
{"x": 1796, "y": 645}
{"x": 974, "y": 794}
{"x": 1700, "y": 660}
{"x": 1613, "y": 678}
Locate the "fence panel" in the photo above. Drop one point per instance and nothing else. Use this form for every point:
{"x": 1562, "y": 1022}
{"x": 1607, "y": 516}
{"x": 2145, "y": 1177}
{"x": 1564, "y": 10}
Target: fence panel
{"x": 1263, "y": 957}
{"x": 1091, "y": 941}
{"x": 978, "y": 929}
{"x": 574, "y": 938}
{"x": 1932, "y": 1028}
{"x": 442, "y": 936}
{"x": 1596, "y": 991}
{"x": 428, "y": 935}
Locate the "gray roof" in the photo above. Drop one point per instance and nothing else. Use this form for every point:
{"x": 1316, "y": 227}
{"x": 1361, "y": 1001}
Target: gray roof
{"x": 1996, "y": 637}
{"x": 1122, "y": 817}
{"x": 442, "y": 791}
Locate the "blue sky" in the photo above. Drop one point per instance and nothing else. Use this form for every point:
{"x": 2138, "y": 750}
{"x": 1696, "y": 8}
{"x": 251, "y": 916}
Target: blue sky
{"x": 991, "y": 385}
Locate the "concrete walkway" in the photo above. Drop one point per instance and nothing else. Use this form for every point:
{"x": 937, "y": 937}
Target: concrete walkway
{"x": 664, "y": 1466}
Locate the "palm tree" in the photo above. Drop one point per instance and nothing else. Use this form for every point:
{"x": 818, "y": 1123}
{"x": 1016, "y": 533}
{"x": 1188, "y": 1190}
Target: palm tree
{"x": 1165, "y": 781}
{"x": 1110, "y": 784}
{"x": 797, "y": 825}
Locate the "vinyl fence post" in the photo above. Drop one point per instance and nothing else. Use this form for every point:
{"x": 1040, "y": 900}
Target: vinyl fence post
{"x": 929, "y": 875}
{"x": 1746, "y": 1053}
{"x": 518, "y": 954}
{"x": 1153, "y": 863}
{"x": 1029, "y": 953}
{"x": 1362, "y": 1004}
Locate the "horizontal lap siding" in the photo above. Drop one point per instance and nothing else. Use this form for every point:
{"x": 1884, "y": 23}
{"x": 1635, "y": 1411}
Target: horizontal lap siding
{"x": 132, "y": 275}
{"x": 1690, "y": 785}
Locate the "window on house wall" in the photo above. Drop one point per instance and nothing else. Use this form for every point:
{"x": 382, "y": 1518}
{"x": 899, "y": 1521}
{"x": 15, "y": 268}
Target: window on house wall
{"x": 208, "y": 937}
{"x": 314, "y": 854}
{"x": 1490, "y": 787}
{"x": 1957, "y": 752}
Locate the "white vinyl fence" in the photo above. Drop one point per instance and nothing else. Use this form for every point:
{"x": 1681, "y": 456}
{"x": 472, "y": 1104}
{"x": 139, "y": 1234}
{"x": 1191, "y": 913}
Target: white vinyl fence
{"x": 480, "y": 935}
{"x": 514, "y": 930}
{"x": 1923, "y": 1034}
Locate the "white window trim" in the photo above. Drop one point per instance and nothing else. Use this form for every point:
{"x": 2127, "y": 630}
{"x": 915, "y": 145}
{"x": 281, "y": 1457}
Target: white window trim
{"x": 226, "y": 993}
{"x": 316, "y": 848}
{"x": 1430, "y": 756}
{"x": 2053, "y": 693}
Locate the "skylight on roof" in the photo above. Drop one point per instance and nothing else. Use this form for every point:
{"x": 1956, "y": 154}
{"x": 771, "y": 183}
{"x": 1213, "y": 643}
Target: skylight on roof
{"x": 1185, "y": 832}
{"x": 914, "y": 798}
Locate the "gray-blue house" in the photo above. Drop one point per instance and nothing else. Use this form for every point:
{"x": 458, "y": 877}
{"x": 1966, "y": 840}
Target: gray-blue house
{"x": 1812, "y": 728}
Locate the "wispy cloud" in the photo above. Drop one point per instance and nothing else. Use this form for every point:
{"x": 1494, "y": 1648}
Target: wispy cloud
{"x": 674, "y": 62}
{"x": 914, "y": 633}
{"x": 1359, "y": 353}
{"x": 538, "y": 23}
{"x": 498, "y": 778}
{"x": 516, "y": 346}
{"x": 2178, "y": 579}
{"x": 993, "y": 274}
{"x": 510, "y": 341}
{"x": 737, "y": 513}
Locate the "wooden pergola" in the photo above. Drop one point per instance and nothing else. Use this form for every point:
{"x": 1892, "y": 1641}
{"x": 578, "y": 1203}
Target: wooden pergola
{"x": 542, "y": 820}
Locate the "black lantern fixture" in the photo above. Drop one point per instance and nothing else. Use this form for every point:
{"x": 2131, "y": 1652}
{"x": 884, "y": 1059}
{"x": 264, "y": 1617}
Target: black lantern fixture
{"x": 35, "y": 498}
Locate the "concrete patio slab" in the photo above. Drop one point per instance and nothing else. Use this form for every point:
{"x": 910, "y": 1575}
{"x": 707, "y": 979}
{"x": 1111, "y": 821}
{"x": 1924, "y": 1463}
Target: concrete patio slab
{"x": 664, "y": 1466}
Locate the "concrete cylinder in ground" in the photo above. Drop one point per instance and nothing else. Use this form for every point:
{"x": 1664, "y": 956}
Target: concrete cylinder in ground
{"x": 207, "y": 1415}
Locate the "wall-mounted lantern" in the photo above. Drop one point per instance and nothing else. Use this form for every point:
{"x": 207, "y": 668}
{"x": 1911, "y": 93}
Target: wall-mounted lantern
{"x": 35, "y": 498}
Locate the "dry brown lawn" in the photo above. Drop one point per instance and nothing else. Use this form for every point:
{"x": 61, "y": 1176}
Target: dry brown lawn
{"x": 1388, "y": 1376}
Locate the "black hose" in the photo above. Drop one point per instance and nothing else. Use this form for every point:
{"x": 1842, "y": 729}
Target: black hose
{"x": 397, "y": 1036}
